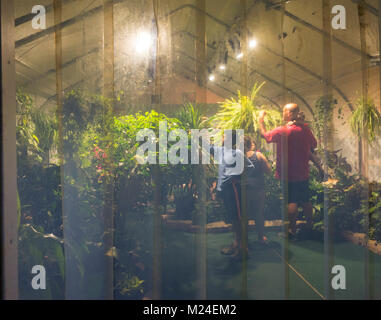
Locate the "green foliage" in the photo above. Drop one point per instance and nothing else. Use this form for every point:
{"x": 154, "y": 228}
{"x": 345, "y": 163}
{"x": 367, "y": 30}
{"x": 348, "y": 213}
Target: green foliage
{"x": 192, "y": 117}
{"x": 273, "y": 197}
{"x": 130, "y": 285}
{"x": 324, "y": 107}
{"x": 36, "y": 131}
{"x": 352, "y": 203}
{"x": 98, "y": 145}
{"x": 243, "y": 113}
{"x": 366, "y": 120}
{"x": 39, "y": 248}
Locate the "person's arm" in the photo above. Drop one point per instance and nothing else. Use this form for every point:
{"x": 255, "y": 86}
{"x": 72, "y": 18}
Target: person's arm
{"x": 266, "y": 164}
{"x": 262, "y": 126}
{"x": 269, "y": 136}
{"x": 316, "y": 161}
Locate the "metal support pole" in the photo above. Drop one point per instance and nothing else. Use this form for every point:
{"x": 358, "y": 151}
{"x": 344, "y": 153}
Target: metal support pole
{"x": 327, "y": 145}
{"x": 245, "y": 91}
{"x": 9, "y": 232}
{"x": 364, "y": 167}
{"x": 108, "y": 89}
{"x": 198, "y": 172}
{"x": 284, "y": 169}
{"x": 157, "y": 227}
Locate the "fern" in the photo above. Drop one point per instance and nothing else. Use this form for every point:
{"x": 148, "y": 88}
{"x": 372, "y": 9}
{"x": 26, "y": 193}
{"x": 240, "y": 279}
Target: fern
{"x": 366, "y": 119}
{"x": 243, "y": 113}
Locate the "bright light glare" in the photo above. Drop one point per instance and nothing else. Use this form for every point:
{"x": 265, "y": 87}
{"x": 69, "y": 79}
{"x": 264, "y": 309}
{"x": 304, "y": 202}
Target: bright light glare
{"x": 253, "y": 43}
{"x": 222, "y": 67}
{"x": 143, "y": 42}
{"x": 212, "y": 77}
{"x": 239, "y": 55}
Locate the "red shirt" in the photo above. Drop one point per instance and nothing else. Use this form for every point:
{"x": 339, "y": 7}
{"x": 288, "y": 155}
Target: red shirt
{"x": 300, "y": 143}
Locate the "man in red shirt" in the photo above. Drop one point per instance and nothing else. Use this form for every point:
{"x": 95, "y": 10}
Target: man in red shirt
{"x": 299, "y": 141}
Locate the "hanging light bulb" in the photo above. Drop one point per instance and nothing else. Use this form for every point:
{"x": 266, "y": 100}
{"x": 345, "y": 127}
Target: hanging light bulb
{"x": 212, "y": 77}
{"x": 253, "y": 43}
{"x": 143, "y": 42}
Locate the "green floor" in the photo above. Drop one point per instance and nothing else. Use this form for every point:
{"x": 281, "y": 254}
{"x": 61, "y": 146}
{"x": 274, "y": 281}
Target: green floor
{"x": 265, "y": 269}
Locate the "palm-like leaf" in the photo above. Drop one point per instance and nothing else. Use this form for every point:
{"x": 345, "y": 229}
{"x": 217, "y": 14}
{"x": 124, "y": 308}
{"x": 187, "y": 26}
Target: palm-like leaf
{"x": 243, "y": 113}
{"x": 192, "y": 117}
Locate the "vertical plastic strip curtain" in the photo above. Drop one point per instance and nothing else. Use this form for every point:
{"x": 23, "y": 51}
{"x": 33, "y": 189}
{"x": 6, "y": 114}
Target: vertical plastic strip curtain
{"x": 284, "y": 166}
{"x": 157, "y": 228}
{"x": 198, "y": 170}
{"x": 9, "y": 211}
{"x": 327, "y": 141}
{"x": 69, "y": 169}
{"x": 364, "y": 165}
{"x": 245, "y": 91}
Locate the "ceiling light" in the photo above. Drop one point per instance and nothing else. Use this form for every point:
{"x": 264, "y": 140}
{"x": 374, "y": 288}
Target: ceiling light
{"x": 253, "y": 43}
{"x": 239, "y": 55}
{"x": 222, "y": 67}
{"x": 143, "y": 42}
{"x": 212, "y": 77}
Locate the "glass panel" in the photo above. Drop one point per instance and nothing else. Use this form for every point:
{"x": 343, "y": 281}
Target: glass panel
{"x": 119, "y": 105}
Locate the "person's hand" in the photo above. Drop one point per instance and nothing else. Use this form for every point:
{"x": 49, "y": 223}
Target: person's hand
{"x": 262, "y": 115}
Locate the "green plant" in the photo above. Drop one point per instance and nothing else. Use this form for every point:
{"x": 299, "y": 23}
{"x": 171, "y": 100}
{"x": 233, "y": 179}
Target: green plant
{"x": 243, "y": 113}
{"x": 192, "y": 117}
{"x": 324, "y": 107}
{"x": 34, "y": 130}
{"x": 35, "y": 248}
{"x": 366, "y": 120}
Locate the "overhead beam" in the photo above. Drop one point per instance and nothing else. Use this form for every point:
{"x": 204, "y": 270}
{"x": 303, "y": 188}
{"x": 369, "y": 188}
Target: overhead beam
{"x": 312, "y": 27}
{"x": 252, "y": 71}
{"x": 303, "y": 68}
{"x": 29, "y": 17}
{"x": 234, "y": 81}
{"x": 274, "y": 7}
{"x": 367, "y": 6}
{"x": 97, "y": 9}
{"x": 28, "y": 39}
{"x": 52, "y": 71}
{"x": 311, "y": 73}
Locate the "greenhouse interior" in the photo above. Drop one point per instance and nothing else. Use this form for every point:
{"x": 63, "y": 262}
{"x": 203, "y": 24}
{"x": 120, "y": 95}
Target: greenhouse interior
{"x": 191, "y": 149}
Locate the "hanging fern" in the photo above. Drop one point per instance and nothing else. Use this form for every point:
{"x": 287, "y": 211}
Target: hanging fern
{"x": 366, "y": 119}
{"x": 243, "y": 113}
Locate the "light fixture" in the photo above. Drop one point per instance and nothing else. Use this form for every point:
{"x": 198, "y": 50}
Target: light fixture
{"x": 239, "y": 55}
{"x": 222, "y": 67}
{"x": 143, "y": 42}
{"x": 212, "y": 77}
{"x": 253, "y": 43}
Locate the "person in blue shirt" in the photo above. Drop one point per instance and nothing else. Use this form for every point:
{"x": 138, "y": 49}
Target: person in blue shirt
{"x": 230, "y": 160}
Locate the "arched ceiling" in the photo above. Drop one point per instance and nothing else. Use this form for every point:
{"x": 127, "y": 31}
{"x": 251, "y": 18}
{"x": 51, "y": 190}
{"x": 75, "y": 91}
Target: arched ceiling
{"x": 299, "y": 27}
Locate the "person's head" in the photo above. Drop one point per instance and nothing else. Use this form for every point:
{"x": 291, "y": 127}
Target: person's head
{"x": 248, "y": 143}
{"x": 290, "y": 112}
